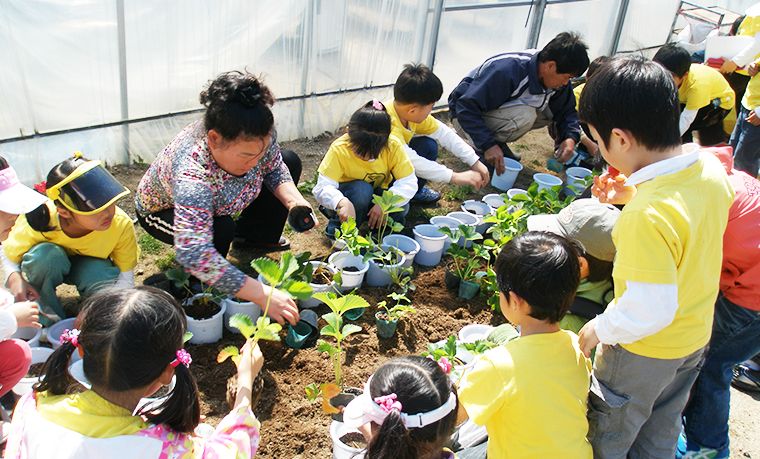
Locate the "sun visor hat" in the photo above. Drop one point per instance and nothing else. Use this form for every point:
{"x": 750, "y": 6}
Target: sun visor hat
{"x": 15, "y": 198}
{"x": 89, "y": 189}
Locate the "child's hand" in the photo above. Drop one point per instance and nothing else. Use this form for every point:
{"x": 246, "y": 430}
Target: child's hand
{"x": 20, "y": 288}
{"x": 753, "y": 119}
{"x": 752, "y": 69}
{"x": 251, "y": 361}
{"x": 375, "y": 215}
{"x": 27, "y": 313}
{"x": 472, "y": 178}
{"x": 587, "y": 338}
{"x": 346, "y": 209}
{"x": 481, "y": 169}
{"x": 611, "y": 189}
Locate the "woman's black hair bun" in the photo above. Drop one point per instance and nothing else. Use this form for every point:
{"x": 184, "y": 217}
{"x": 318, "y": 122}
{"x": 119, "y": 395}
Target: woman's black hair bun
{"x": 248, "y": 96}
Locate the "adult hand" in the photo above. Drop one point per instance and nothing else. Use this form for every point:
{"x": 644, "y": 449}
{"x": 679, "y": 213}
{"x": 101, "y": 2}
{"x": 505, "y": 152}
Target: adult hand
{"x": 752, "y": 69}
{"x": 472, "y": 178}
{"x": 481, "y": 169}
{"x": 612, "y": 189}
{"x": 20, "y": 289}
{"x": 281, "y": 307}
{"x": 346, "y": 209}
{"x": 27, "y": 313}
{"x": 495, "y": 157}
{"x": 753, "y": 119}
{"x": 565, "y": 150}
{"x": 587, "y": 339}
{"x": 375, "y": 215}
{"x": 728, "y": 66}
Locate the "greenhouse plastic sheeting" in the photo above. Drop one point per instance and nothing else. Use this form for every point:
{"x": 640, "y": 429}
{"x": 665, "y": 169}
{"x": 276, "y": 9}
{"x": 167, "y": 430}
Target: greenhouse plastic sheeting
{"x": 74, "y": 69}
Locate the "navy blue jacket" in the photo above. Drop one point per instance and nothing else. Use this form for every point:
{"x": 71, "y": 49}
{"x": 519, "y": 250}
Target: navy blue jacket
{"x": 510, "y": 79}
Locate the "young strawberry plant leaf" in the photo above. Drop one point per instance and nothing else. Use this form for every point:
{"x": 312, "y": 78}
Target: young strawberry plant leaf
{"x": 229, "y": 351}
{"x": 243, "y": 323}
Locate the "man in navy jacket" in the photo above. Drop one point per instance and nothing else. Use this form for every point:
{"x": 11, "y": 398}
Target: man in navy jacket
{"x": 513, "y": 93}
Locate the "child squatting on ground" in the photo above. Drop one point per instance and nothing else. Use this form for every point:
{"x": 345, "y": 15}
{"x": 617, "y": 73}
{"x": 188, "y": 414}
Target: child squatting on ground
{"x": 131, "y": 340}
{"x": 668, "y": 242}
{"x": 531, "y": 392}
{"x": 78, "y": 237}
{"x": 408, "y": 410}
{"x": 15, "y": 354}
{"x": 360, "y": 164}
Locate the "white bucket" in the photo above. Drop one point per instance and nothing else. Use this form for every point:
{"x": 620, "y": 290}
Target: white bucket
{"x": 409, "y": 246}
{"x": 232, "y": 307}
{"x": 576, "y": 180}
{"x": 378, "y": 274}
{"x": 511, "y": 193}
{"x": 205, "y": 330}
{"x": 546, "y": 181}
{"x": 39, "y": 354}
{"x": 494, "y": 200}
{"x": 340, "y": 449}
{"x": 480, "y": 210}
{"x": 507, "y": 179}
{"x": 312, "y": 302}
{"x": 29, "y": 334}
{"x": 351, "y": 279}
{"x": 431, "y": 243}
{"x": 441, "y": 221}
{"x": 467, "y": 219}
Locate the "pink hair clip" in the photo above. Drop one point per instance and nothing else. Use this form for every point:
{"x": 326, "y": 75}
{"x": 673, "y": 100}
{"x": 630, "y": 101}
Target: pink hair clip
{"x": 70, "y": 336}
{"x": 443, "y": 363}
{"x": 388, "y": 402}
{"x": 183, "y": 357}
{"x": 377, "y": 105}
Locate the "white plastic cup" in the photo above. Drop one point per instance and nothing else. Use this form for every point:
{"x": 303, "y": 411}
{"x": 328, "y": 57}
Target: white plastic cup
{"x": 206, "y": 330}
{"x": 507, "y": 179}
{"x": 247, "y": 308}
{"x": 340, "y": 449}
{"x": 351, "y": 279}
{"x": 467, "y": 219}
{"x": 405, "y": 243}
{"x": 29, "y": 334}
{"x": 39, "y": 354}
{"x": 546, "y": 181}
{"x": 494, "y": 200}
{"x": 576, "y": 179}
{"x": 511, "y": 193}
{"x": 431, "y": 244}
{"x": 480, "y": 210}
{"x": 448, "y": 222}
{"x": 312, "y": 302}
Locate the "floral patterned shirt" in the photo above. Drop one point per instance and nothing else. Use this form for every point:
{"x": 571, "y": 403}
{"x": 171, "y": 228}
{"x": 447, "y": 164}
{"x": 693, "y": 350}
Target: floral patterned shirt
{"x": 186, "y": 177}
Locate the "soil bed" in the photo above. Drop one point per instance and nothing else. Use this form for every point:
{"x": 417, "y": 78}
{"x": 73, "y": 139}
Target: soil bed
{"x": 201, "y": 309}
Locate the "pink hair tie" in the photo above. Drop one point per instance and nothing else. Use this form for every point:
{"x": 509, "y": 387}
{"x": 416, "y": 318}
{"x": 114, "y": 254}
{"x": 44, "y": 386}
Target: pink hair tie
{"x": 377, "y": 105}
{"x": 70, "y": 336}
{"x": 183, "y": 357}
{"x": 388, "y": 402}
{"x": 443, "y": 363}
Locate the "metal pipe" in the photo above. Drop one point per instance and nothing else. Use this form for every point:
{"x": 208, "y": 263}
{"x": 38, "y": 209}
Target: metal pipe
{"x": 481, "y": 6}
{"x": 307, "y": 37}
{"x": 622, "y": 12}
{"x": 124, "y": 99}
{"x": 437, "y": 13}
{"x": 535, "y": 25}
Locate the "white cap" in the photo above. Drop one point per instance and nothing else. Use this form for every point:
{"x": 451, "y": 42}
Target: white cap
{"x": 16, "y": 198}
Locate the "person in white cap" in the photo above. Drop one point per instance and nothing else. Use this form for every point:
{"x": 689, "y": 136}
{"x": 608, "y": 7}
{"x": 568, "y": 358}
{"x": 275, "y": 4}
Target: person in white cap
{"x": 15, "y": 354}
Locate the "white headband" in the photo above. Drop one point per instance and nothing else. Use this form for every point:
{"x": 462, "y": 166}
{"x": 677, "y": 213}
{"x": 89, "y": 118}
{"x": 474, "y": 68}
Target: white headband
{"x": 363, "y": 409}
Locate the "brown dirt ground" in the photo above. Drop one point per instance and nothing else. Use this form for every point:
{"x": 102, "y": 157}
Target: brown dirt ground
{"x": 292, "y": 427}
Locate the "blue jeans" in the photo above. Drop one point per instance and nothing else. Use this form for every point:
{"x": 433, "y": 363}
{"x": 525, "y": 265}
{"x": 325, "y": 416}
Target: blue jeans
{"x": 735, "y": 338}
{"x": 360, "y": 194}
{"x": 46, "y": 266}
{"x": 745, "y": 140}
{"x": 428, "y": 149}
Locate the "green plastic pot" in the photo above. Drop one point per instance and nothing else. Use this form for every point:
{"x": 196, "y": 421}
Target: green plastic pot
{"x": 385, "y": 328}
{"x": 353, "y": 314}
{"x": 468, "y": 290}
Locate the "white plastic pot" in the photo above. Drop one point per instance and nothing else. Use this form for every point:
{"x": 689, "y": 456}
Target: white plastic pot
{"x": 444, "y": 221}
{"x": 351, "y": 279}
{"x": 576, "y": 179}
{"x": 494, "y": 200}
{"x": 39, "y": 354}
{"x": 507, "y": 179}
{"x": 546, "y": 181}
{"x": 29, "y": 334}
{"x": 467, "y": 219}
{"x": 340, "y": 449}
{"x": 431, "y": 243}
{"x": 409, "y": 246}
{"x": 480, "y": 210}
{"x": 378, "y": 274}
{"x": 232, "y": 307}
{"x": 315, "y": 288}
{"x": 205, "y": 330}
{"x": 511, "y": 193}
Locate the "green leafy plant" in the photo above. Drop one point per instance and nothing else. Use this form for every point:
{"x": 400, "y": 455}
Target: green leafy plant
{"x": 389, "y": 204}
{"x": 149, "y": 245}
{"x": 399, "y": 310}
{"x": 465, "y": 266}
{"x": 181, "y": 279}
{"x": 307, "y": 186}
{"x": 458, "y": 192}
{"x": 349, "y": 235}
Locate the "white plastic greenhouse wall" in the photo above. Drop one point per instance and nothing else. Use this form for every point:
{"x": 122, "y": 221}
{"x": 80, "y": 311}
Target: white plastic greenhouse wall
{"x": 117, "y": 79}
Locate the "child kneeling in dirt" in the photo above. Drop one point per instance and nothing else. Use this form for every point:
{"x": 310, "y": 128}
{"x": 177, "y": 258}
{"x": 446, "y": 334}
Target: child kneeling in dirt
{"x": 531, "y": 392}
{"x": 360, "y": 164}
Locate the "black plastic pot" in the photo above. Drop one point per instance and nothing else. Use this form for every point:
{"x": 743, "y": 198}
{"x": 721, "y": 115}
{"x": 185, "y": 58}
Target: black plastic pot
{"x": 342, "y": 399}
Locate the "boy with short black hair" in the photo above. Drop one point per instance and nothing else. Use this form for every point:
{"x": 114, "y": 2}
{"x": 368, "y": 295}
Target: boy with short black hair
{"x": 414, "y": 94}
{"x": 705, "y": 95}
{"x": 668, "y": 242}
{"x": 531, "y": 392}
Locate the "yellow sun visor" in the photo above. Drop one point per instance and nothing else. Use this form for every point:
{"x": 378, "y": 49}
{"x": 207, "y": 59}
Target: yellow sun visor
{"x": 89, "y": 189}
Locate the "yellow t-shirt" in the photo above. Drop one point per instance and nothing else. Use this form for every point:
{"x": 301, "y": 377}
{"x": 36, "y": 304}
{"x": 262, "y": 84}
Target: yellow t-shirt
{"x": 531, "y": 395}
{"x": 118, "y": 242}
{"x": 702, "y": 85}
{"x": 427, "y": 127}
{"x": 749, "y": 27}
{"x": 89, "y": 414}
{"x": 577, "y": 92}
{"x": 751, "y": 99}
{"x": 671, "y": 232}
{"x": 340, "y": 164}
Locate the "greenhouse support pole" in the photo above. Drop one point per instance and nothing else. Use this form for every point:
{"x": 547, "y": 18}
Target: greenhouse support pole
{"x": 419, "y": 36}
{"x": 622, "y": 12}
{"x": 535, "y": 24}
{"x": 437, "y": 13}
{"x": 307, "y": 36}
{"x": 121, "y": 30}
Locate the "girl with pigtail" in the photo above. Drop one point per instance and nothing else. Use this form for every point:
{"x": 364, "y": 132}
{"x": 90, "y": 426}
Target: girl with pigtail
{"x": 131, "y": 341}
{"x": 408, "y": 410}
